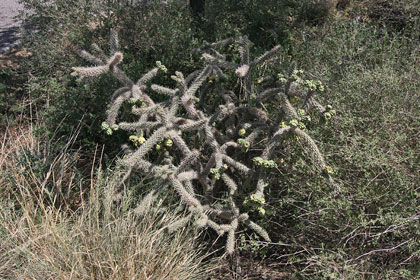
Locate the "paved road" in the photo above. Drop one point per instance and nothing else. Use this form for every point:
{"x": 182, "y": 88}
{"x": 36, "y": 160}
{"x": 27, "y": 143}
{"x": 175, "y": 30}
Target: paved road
{"x": 9, "y": 26}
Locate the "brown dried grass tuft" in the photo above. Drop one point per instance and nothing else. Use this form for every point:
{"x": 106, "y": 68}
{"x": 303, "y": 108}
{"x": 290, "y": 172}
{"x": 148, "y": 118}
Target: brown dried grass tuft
{"x": 101, "y": 239}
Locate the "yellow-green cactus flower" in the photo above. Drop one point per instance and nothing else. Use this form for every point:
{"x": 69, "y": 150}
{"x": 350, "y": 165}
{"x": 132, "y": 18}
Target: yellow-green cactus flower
{"x": 133, "y": 138}
{"x": 329, "y": 170}
{"x": 327, "y": 115}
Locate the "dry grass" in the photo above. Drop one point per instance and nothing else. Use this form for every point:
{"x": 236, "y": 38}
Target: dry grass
{"x": 100, "y": 240}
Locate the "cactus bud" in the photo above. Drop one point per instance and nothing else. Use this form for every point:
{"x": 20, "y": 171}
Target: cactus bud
{"x": 168, "y": 143}
{"x": 161, "y": 66}
{"x": 104, "y": 126}
{"x": 244, "y": 144}
{"x": 293, "y": 123}
{"x": 294, "y": 100}
{"x": 306, "y": 118}
{"x": 301, "y": 112}
{"x": 319, "y": 86}
{"x": 302, "y": 126}
{"x": 261, "y": 210}
{"x": 141, "y": 140}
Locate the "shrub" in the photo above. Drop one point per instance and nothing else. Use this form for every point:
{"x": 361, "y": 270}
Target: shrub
{"x": 12, "y": 99}
{"x": 266, "y": 23}
{"x": 401, "y": 16}
{"x": 372, "y": 77}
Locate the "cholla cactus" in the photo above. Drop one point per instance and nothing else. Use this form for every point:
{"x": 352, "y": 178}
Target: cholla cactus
{"x": 234, "y": 142}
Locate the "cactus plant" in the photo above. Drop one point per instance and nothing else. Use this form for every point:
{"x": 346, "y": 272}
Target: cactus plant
{"x": 218, "y": 139}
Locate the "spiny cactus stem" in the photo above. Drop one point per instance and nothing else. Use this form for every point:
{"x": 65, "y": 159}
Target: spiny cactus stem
{"x": 186, "y": 197}
{"x": 158, "y": 135}
{"x": 118, "y": 92}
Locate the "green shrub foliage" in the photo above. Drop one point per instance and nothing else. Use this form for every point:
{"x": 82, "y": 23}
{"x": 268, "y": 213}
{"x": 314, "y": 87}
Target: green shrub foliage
{"x": 216, "y": 147}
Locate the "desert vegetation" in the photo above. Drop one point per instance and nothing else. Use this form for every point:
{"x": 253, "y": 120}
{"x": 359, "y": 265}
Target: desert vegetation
{"x": 248, "y": 140}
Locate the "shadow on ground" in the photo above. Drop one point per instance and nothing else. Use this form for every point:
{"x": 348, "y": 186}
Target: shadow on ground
{"x": 9, "y": 38}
